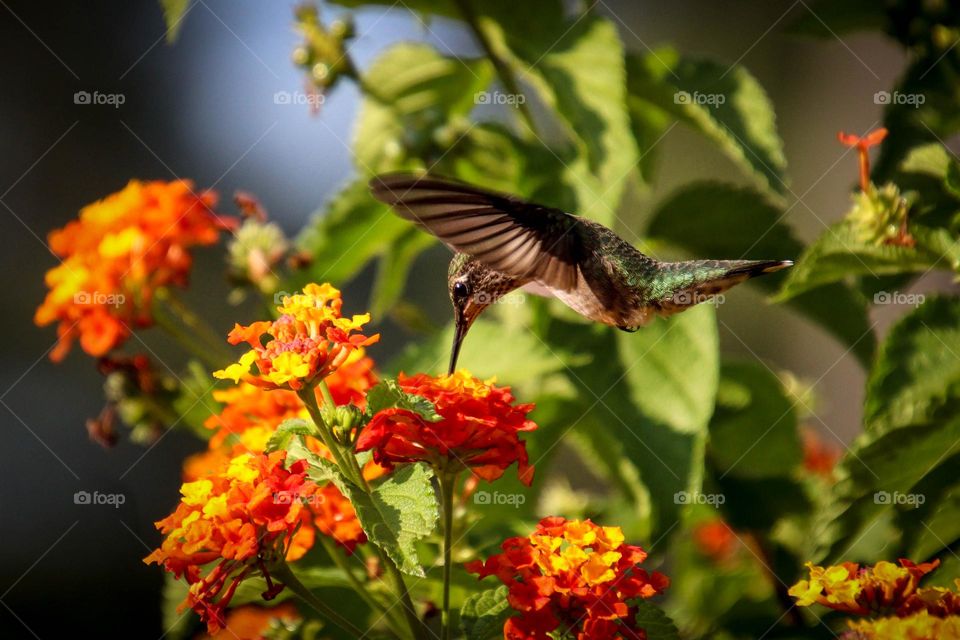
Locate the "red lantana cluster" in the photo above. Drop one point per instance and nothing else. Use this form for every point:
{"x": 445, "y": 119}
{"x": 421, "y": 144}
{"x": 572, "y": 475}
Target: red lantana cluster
{"x": 572, "y": 575}
{"x": 244, "y": 518}
{"x": 479, "y": 428}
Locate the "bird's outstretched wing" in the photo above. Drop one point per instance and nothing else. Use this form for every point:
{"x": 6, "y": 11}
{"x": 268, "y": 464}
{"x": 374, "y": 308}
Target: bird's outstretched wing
{"x": 518, "y": 238}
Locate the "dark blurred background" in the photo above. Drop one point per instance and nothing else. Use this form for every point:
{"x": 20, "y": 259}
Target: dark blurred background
{"x": 204, "y": 109}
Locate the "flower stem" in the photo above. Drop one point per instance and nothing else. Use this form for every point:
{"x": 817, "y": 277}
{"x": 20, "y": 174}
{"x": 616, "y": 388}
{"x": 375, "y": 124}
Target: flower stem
{"x": 283, "y": 573}
{"x": 448, "y": 482}
{"x": 197, "y": 326}
{"x": 165, "y": 321}
{"x": 503, "y": 69}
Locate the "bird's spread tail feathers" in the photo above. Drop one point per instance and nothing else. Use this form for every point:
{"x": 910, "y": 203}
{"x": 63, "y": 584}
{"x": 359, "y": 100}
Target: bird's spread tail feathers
{"x": 699, "y": 281}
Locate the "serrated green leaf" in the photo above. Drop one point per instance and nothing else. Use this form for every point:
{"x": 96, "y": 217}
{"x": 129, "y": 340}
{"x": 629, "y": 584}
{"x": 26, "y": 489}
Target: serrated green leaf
{"x": 575, "y": 65}
{"x": 873, "y": 474}
{"x": 174, "y": 12}
{"x": 655, "y": 622}
{"x": 701, "y": 218}
{"x": 753, "y": 436}
{"x": 726, "y": 104}
{"x": 395, "y": 515}
{"x": 484, "y": 614}
{"x": 285, "y": 432}
{"x": 413, "y": 92}
{"x": 838, "y": 253}
{"x": 917, "y": 373}
{"x": 387, "y": 394}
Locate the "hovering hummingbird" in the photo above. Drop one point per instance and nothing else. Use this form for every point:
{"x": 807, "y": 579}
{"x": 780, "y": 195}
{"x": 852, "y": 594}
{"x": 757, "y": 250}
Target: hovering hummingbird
{"x": 503, "y": 243}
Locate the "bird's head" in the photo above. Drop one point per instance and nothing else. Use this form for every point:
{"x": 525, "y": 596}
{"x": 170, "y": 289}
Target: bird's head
{"x": 473, "y": 287}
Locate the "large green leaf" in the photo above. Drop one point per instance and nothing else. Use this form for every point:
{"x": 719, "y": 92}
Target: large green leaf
{"x": 753, "y": 433}
{"x": 398, "y": 511}
{"x": 726, "y": 104}
{"x": 917, "y": 373}
{"x": 393, "y": 268}
{"x": 352, "y": 230}
{"x": 672, "y": 369}
{"x": 412, "y": 90}
{"x": 879, "y": 476}
{"x": 575, "y": 65}
{"x": 716, "y": 220}
{"x": 483, "y": 614}
{"x": 387, "y": 394}
{"x": 839, "y": 253}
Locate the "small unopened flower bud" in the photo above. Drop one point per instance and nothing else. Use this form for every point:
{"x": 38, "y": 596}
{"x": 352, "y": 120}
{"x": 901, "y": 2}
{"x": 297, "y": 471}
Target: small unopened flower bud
{"x": 256, "y": 248}
{"x": 300, "y": 56}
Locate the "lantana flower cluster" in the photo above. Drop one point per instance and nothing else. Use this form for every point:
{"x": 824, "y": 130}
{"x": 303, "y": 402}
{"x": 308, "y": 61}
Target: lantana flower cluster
{"x": 888, "y": 589}
{"x": 117, "y": 254}
{"x": 479, "y": 428}
{"x": 309, "y": 341}
{"x": 572, "y": 575}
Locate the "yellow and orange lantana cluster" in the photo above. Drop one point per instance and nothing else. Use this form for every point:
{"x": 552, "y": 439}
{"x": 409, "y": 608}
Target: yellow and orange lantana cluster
{"x": 117, "y": 254}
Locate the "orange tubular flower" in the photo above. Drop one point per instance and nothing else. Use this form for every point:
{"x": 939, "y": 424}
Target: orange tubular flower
{"x": 716, "y": 540}
{"x": 863, "y": 145}
{"x": 573, "y": 575}
{"x": 850, "y": 588}
{"x": 479, "y": 429}
{"x": 309, "y": 341}
{"x": 244, "y": 518}
{"x": 251, "y": 622}
{"x": 117, "y": 254}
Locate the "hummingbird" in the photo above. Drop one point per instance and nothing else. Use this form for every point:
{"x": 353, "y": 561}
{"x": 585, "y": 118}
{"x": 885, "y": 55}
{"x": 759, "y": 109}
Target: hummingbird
{"x": 502, "y": 243}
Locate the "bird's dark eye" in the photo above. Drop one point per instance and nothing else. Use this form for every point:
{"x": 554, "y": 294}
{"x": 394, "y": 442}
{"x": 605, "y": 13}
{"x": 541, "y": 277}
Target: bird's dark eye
{"x": 460, "y": 290}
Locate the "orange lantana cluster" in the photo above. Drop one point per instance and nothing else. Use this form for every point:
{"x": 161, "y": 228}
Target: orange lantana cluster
{"x": 884, "y": 588}
{"x": 247, "y": 516}
{"x": 309, "y": 341}
{"x": 117, "y": 254}
{"x": 572, "y": 575}
{"x": 479, "y": 428}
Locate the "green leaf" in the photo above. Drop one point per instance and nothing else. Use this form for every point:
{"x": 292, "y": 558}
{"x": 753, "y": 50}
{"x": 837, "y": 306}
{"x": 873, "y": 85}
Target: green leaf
{"x": 655, "y": 622}
{"x": 286, "y": 431}
{"x": 838, "y": 253}
{"x": 575, "y": 65}
{"x": 753, "y": 433}
{"x": 715, "y": 220}
{"x": 194, "y": 402}
{"x": 174, "y": 11}
{"x": 878, "y": 477}
{"x": 726, "y": 104}
{"x": 395, "y": 515}
{"x": 387, "y": 394}
{"x": 917, "y": 373}
{"x": 176, "y": 623}
{"x": 672, "y": 368}
{"x": 413, "y": 92}
{"x": 354, "y": 229}
{"x": 484, "y": 614}
{"x": 393, "y": 268}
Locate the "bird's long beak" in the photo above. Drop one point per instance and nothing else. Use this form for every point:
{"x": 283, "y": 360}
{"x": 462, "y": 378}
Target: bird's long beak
{"x": 459, "y": 332}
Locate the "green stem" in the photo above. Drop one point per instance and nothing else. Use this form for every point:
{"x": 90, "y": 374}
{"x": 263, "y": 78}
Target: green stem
{"x": 502, "y": 68}
{"x": 195, "y": 323}
{"x": 354, "y": 474}
{"x": 283, "y": 573}
{"x": 341, "y": 561}
{"x": 448, "y": 482}
{"x": 189, "y": 342}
